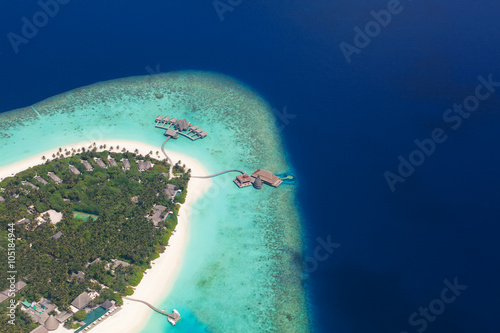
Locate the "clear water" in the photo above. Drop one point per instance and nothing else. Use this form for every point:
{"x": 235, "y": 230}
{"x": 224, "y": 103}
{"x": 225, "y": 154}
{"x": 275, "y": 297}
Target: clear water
{"x": 242, "y": 270}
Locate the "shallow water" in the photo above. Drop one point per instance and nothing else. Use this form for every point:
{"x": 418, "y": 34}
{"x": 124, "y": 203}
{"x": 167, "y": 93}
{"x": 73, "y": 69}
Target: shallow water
{"x": 242, "y": 269}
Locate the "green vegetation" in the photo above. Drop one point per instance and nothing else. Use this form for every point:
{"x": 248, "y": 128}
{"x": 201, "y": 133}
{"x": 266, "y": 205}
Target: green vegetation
{"x": 100, "y": 221}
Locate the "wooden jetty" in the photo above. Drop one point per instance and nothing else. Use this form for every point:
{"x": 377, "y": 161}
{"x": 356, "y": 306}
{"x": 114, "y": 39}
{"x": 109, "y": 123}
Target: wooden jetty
{"x": 173, "y": 317}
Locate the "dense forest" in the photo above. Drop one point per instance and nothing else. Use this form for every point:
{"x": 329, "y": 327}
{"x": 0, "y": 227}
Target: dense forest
{"x": 104, "y": 217}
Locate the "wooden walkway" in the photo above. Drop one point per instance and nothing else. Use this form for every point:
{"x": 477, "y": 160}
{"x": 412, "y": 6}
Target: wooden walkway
{"x": 152, "y": 307}
{"x": 220, "y": 173}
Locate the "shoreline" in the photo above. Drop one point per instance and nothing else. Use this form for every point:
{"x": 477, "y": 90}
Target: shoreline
{"x": 159, "y": 280}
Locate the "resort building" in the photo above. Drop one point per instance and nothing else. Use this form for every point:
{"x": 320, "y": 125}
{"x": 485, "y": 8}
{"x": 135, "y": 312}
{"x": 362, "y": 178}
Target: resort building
{"x": 126, "y": 164}
{"x": 39, "y": 312}
{"x": 267, "y": 177}
{"x": 41, "y": 180}
{"x": 159, "y": 214}
{"x": 27, "y": 183}
{"x": 78, "y": 276}
{"x": 31, "y": 210}
{"x": 257, "y": 183}
{"x": 116, "y": 263}
{"x": 243, "y": 180}
{"x": 73, "y": 169}
{"x": 81, "y": 301}
{"x": 100, "y": 163}
{"x": 51, "y": 214}
{"x": 87, "y": 165}
{"x": 172, "y": 191}
{"x": 40, "y": 329}
{"x": 51, "y": 324}
{"x": 172, "y": 133}
{"x": 22, "y": 221}
{"x": 4, "y": 295}
{"x": 182, "y": 125}
{"x": 57, "y": 235}
{"x": 54, "y": 177}
{"x": 63, "y": 316}
{"x": 112, "y": 162}
{"x": 144, "y": 165}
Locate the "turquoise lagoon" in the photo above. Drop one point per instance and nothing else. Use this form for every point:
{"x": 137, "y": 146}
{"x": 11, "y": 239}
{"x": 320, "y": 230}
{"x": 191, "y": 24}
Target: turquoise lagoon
{"x": 243, "y": 266}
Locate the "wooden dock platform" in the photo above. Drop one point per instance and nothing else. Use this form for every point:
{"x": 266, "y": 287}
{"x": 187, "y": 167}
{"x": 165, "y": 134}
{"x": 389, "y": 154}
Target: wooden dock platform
{"x": 172, "y": 316}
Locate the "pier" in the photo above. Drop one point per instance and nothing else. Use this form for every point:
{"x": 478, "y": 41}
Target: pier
{"x": 173, "y": 317}
{"x": 193, "y": 132}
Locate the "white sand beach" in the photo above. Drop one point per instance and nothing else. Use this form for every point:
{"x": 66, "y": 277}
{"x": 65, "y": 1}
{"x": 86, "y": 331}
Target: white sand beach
{"x": 159, "y": 280}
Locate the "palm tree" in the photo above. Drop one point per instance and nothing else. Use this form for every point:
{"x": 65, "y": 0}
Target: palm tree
{"x": 54, "y": 155}
{"x": 117, "y": 147}
{"x": 104, "y": 146}
{"x": 100, "y": 147}
{"x": 137, "y": 151}
{"x": 44, "y": 158}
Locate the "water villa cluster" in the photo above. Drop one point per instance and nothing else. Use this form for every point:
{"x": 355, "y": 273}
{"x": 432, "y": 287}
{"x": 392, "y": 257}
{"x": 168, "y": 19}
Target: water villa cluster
{"x": 180, "y": 126}
{"x": 257, "y": 179}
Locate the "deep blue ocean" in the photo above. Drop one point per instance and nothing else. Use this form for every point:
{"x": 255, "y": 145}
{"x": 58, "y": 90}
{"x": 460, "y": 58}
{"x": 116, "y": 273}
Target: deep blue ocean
{"x": 344, "y": 126}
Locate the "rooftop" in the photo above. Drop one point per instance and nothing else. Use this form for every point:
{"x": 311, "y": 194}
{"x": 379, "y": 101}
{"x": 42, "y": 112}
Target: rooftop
{"x": 81, "y": 301}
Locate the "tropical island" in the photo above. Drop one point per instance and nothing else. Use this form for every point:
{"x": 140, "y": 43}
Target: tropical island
{"x": 88, "y": 225}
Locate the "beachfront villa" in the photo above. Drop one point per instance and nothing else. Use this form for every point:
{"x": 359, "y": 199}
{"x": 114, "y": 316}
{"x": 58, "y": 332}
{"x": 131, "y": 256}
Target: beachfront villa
{"x": 100, "y": 163}
{"x": 87, "y": 165}
{"x": 144, "y": 165}
{"x": 73, "y": 169}
{"x": 27, "y": 183}
{"x": 126, "y": 164}
{"x": 41, "y": 180}
{"x": 159, "y": 214}
{"x": 112, "y": 162}
{"x": 54, "y": 177}
{"x": 172, "y": 191}
{"x": 2, "y": 199}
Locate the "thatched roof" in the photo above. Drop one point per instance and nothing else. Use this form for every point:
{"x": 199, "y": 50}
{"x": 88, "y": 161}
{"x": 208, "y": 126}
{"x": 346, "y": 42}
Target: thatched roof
{"x": 81, "y": 301}
{"x": 51, "y": 323}
{"x": 257, "y": 183}
{"x": 40, "y": 329}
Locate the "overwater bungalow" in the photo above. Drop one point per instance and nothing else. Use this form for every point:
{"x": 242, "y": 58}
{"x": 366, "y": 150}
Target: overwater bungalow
{"x": 73, "y": 169}
{"x": 173, "y": 120}
{"x": 87, "y": 165}
{"x": 159, "y": 119}
{"x": 193, "y": 128}
{"x": 54, "y": 177}
{"x": 243, "y": 180}
{"x": 257, "y": 183}
{"x": 203, "y": 134}
{"x": 173, "y": 134}
{"x": 267, "y": 177}
{"x": 182, "y": 125}
{"x": 166, "y": 120}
